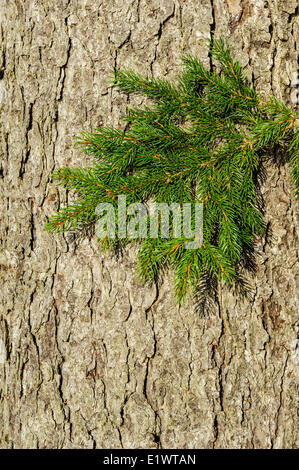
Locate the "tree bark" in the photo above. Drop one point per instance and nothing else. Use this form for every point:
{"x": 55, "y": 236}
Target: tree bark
{"x": 88, "y": 356}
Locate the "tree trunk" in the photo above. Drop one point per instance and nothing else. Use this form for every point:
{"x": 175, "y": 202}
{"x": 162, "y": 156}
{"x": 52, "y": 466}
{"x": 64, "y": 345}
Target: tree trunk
{"x": 88, "y": 356}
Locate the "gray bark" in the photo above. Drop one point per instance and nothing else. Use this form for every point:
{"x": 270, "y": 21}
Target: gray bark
{"x": 88, "y": 356}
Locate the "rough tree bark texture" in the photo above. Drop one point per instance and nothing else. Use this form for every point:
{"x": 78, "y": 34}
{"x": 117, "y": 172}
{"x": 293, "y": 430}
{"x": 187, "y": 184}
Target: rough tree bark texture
{"x": 89, "y": 357}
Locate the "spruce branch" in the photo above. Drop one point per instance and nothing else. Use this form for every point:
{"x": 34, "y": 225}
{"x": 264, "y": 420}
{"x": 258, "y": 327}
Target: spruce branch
{"x": 202, "y": 140}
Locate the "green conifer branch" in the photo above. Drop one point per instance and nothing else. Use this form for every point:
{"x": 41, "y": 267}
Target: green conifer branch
{"x": 203, "y": 139}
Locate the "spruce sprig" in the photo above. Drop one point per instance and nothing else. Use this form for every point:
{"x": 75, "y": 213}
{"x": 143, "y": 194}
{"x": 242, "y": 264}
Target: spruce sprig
{"x": 203, "y": 139}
